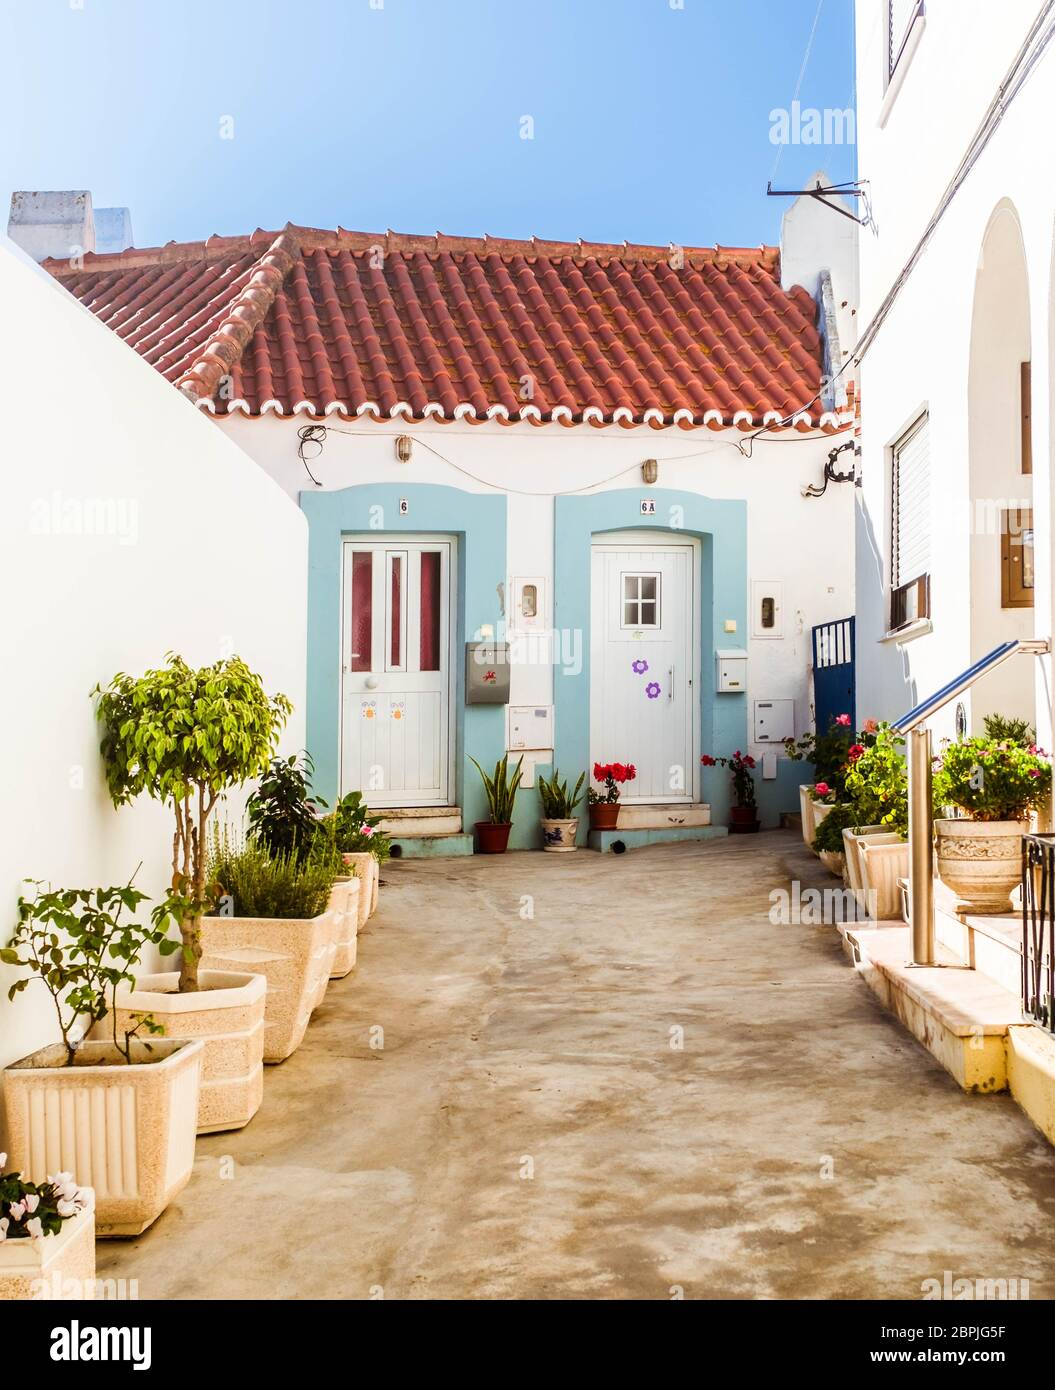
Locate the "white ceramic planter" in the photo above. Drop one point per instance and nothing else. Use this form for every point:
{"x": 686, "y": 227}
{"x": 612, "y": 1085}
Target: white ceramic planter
{"x": 835, "y": 862}
{"x": 126, "y": 1131}
{"x": 368, "y": 871}
{"x": 883, "y": 861}
{"x": 227, "y": 1014}
{"x": 344, "y": 904}
{"x": 558, "y": 836}
{"x": 293, "y": 953}
{"x": 981, "y": 861}
{"x": 806, "y": 804}
{"x": 59, "y": 1267}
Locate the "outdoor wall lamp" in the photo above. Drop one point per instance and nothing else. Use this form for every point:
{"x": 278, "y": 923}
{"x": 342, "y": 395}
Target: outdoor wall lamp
{"x": 404, "y": 448}
{"x": 650, "y": 470}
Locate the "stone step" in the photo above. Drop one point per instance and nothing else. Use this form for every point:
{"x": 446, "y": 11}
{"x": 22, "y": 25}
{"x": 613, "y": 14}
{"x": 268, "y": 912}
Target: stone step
{"x": 431, "y": 846}
{"x": 661, "y": 816}
{"x": 420, "y": 820}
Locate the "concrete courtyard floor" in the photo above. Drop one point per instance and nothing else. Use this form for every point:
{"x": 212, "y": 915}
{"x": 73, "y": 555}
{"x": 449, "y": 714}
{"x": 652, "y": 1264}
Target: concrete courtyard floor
{"x": 528, "y": 1130}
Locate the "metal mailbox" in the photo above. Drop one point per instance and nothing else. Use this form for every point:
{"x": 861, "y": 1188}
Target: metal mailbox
{"x": 487, "y": 673}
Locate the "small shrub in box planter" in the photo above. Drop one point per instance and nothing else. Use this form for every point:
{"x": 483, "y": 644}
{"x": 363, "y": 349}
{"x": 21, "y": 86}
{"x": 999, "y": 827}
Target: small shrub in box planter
{"x": 47, "y": 1238}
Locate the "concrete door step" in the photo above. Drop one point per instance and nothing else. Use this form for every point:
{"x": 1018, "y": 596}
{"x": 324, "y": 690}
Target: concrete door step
{"x": 421, "y": 820}
{"x": 666, "y": 815}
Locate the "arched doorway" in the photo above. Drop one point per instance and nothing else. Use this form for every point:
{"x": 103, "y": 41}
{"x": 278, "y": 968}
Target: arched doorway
{"x": 1001, "y": 484}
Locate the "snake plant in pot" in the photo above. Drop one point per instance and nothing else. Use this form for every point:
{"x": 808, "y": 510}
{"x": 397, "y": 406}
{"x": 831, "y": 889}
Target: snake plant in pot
{"x": 492, "y": 835}
{"x": 559, "y": 822}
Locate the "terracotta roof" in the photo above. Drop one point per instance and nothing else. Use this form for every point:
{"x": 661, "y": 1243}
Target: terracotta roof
{"x": 393, "y": 326}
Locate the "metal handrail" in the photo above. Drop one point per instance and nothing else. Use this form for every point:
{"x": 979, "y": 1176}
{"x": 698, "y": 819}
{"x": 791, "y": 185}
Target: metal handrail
{"x": 920, "y": 783}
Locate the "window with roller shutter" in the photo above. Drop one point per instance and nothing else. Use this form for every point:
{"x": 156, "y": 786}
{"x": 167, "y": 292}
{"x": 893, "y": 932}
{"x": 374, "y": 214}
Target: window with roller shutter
{"x": 901, "y": 15}
{"x": 910, "y": 527}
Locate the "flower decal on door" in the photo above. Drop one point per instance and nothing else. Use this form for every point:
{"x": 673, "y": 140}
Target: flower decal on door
{"x": 397, "y": 709}
{"x": 639, "y": 667}
{"x": 652, "y": 690}
{"x": 369, "y": 709}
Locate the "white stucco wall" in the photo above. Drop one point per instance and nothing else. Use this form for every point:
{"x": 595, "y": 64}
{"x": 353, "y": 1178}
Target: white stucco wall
{"x": 804, "y": 544}
{"x": 922, "y": 355}
{"x": 192, "y": 549}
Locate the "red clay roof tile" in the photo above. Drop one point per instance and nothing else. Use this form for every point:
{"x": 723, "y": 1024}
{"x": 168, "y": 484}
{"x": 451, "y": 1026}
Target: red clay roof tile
{"x": 465, "y": 327}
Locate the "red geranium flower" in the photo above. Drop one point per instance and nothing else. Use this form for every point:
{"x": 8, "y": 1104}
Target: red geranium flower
{"x": 855, "y": 752}
{"x": 708, "y": 761}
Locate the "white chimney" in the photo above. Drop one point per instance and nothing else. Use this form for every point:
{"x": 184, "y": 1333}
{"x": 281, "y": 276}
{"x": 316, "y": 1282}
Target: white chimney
{"x": 64, "y": 225}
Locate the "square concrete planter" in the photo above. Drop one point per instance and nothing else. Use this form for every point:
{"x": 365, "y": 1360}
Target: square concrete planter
{"x": 883, "y": 860}
{"x": 344, "y": 904}
{"x": 368, "y": 871}
{"x": 51, "y": 1267}
{"x": 293, "y": 953}
{"x": 227, "y": 1014}
{"x": 852, "y": 851}
{"x": 126, "y": 1131}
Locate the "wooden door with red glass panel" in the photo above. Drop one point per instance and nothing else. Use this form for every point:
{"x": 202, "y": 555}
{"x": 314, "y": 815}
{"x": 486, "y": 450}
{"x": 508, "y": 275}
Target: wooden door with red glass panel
{"x": 396, "y": 671}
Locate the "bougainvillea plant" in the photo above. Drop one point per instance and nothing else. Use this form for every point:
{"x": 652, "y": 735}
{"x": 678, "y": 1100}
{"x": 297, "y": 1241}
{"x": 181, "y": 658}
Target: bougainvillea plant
{"x": 611, "y": 776}
{"x": 29, "y": 1210}
{"x": 992, "y": 779}
{"x": 741, "y": 766}
{"x": 185, "y": 737}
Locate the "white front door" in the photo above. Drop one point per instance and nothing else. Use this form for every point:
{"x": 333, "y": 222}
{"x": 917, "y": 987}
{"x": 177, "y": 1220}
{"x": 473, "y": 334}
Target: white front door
{"x": 644, "y": 666}
{"x": 396, "y": 671}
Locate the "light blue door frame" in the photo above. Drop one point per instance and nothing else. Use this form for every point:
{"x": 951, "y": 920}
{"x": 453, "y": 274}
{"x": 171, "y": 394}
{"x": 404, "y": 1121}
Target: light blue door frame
{"x": 721, "y": 528}
{"x": 478, "y": 521}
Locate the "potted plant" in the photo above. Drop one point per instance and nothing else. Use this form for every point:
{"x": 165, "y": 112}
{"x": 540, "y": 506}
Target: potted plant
{"x": 273, "y": 917}
{"x": 125, "y": 1104}
{"x": 364, "y": 845}
{"x": 743, "y": 814}
{"x": 875, "y": 840}
{"x": 47, "y": 1238}
{"x": 559, "y": 822}
{"x": 828, "y": 752}
{"x": 604, "y": 809}
{"x": 996, "y": 784}
{"x": 283, "y": 816}
{"x": 184, "y": 737}
{"x": 493, "y": 835}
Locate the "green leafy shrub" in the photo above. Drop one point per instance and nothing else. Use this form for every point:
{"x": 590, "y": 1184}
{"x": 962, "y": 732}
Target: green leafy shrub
{"x": 1004, "y": 730}
{"x": 355, "y": 830}
{"x": 992, "y": 780}
{"x": 281, "y": 812}
{"x": 81, "y": 943}
{"x": 877, "y": 783}
{"x": 557, "y": 802}
{"x": 248, "y": 881}
{"x": 829, "y": 836}
{"x": 185, "y": 737}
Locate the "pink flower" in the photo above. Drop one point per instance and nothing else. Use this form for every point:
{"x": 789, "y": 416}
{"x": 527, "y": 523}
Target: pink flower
{"x": 34, "y": 1227}
{"x": 368, "y": 829}
{"x": 32, "y": 1201}
{"x": 822, "y": 789}
{"x": 17, "y": 1210}
{"x": 871, "y": 726}
{"x": 843, "y": 719}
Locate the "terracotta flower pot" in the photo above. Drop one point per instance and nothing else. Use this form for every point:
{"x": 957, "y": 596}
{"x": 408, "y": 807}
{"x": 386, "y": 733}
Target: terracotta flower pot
{"x": 491, "y": 838}
{"x": 743, "y": 820}
{"x": 604, "y": 815}
{"x": 558, "y": 836}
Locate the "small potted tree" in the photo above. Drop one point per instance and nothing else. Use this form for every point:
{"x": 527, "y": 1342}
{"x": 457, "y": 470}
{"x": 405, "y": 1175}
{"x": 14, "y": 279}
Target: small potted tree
{"x": 125, "y": 1103}
{"x": 492, "y": 835}
{"x": 559, "y": 822}
{"x": 604, "y": 807}
{"x": 997, "y": 784}
{"x": 185, "y": 737}
{"x": 743, "y": 814}
{"x": 47, "y": 1238}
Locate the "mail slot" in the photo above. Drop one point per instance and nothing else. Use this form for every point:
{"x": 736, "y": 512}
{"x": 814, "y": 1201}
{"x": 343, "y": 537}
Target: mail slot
{"x": 487, "y": 673}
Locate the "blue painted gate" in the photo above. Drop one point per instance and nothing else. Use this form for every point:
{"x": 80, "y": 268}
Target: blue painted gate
{"x": 834, "y": 691}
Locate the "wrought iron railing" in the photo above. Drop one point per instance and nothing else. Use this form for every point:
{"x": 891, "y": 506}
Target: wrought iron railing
{"x": 1038, "y": 915}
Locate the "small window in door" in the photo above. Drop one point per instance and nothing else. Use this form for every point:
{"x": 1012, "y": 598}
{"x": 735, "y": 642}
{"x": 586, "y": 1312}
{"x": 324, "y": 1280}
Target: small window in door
{"x": 641, "y": 600}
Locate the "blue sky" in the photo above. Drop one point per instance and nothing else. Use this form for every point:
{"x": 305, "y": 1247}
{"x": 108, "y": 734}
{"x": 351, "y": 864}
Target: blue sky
{"x": 651, "y": 117}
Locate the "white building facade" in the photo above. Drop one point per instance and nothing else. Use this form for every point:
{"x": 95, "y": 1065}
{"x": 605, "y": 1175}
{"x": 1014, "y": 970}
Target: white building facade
{"x": 953, "y": 531}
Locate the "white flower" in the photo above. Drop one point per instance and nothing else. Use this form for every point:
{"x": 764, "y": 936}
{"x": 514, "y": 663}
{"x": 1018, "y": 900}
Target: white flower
{"x": 34, "y": 1227}
{"x": 4, "y": 1223}
{"x": 3, "y": 1160}
{"x": 65, "y": 1208}
{"x": 17, "y": 1210}
{"x": 31, "y": 1201}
